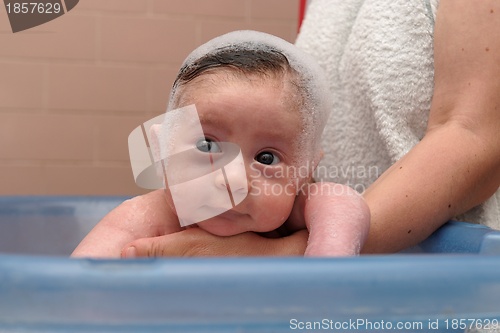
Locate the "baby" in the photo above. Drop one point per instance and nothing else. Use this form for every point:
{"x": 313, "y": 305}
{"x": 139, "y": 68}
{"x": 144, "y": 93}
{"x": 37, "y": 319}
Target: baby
{"x": 252, "y": 107}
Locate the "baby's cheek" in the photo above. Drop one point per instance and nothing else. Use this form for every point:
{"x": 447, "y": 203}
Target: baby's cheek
{"x": 275, "y": 207}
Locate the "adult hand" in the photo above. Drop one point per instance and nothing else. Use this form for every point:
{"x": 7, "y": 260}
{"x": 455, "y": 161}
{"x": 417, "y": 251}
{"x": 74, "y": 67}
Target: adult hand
{"x": 197, "y": 242}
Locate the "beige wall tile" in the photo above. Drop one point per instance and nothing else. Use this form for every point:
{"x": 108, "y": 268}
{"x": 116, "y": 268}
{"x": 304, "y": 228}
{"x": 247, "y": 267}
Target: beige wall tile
{"x": 4, "y": 21}
{"x": 71, "y": 90}
{"x": 113, "y": 5}
{"x": 227, "y": 8}
{"x": 90, "y": 180}
{"x": 275, "y": 9}
{"x": 22, "y": 180}
{"x": 211, "y": 29}
{"x": 111, "y": 136}
{"x": 21, "y": 85}
{"x": 160, "y": 82}
{"x": 146, "y": 39}
{"x": 46, "y": 137}
{"x": 67, "y": 37}
{"x": 84, "y": 87}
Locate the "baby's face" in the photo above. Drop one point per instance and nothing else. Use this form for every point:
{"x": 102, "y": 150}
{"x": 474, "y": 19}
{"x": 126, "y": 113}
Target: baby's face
{"x": 261, "y": 119}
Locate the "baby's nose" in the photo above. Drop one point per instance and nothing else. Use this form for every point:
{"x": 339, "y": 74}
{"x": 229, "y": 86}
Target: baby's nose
{"x": 233, "y": 179}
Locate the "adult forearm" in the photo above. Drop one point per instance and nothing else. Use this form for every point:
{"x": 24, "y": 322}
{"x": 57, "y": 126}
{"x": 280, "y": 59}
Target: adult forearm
{"x": 446, "y": 174}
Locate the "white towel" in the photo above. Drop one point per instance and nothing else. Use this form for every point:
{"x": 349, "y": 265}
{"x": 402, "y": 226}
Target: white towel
{"x": 378, "y": 55}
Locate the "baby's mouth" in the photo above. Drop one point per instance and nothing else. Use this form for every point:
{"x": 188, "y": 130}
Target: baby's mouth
{"x": 220, "y": 211}
{"x": 229, "y": 223}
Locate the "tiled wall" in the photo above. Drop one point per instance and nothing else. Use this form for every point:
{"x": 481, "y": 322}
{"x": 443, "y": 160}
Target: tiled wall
{"x": 71, "y": 90}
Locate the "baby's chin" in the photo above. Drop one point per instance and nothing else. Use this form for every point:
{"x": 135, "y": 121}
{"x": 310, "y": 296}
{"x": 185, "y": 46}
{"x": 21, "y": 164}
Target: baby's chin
{"x": 221, "y": 226}
{"x": 229, "y": 223}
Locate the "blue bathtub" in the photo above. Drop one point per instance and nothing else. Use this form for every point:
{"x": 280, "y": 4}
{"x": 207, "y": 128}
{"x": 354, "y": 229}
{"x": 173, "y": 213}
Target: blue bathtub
{"x": 446, "y": 284}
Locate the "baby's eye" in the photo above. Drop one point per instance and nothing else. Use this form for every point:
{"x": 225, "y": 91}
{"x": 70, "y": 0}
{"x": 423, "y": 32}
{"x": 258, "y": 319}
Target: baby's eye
{"x": 267, "y": 158}
{"x": 207, "y": 146}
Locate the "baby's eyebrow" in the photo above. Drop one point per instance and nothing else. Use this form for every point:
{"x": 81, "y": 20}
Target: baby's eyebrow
{"x": 210, "y": 120}
{"x": 205, "y": 119}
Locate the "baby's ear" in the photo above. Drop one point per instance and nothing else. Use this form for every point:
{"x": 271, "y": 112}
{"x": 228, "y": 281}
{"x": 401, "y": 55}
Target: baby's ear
{"x": 317, "y": 158}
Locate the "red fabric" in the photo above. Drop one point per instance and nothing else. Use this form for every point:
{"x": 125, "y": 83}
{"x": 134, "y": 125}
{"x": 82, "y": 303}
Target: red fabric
{"x": 302, "y": 11}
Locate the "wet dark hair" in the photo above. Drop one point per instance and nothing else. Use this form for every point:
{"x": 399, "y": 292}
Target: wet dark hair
{"x": 264, "y": 62}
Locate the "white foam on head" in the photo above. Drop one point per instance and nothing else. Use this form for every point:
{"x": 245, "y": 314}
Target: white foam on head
{"x": 310, "y": 77}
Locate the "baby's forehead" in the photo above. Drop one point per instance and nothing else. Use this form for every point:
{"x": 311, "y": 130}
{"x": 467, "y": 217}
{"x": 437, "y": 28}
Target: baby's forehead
{"x": 281, "y": 89}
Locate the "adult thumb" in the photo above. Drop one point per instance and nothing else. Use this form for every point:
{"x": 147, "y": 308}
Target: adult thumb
{"x": 147, "y": 247}
{"x": 188, "y": 242}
